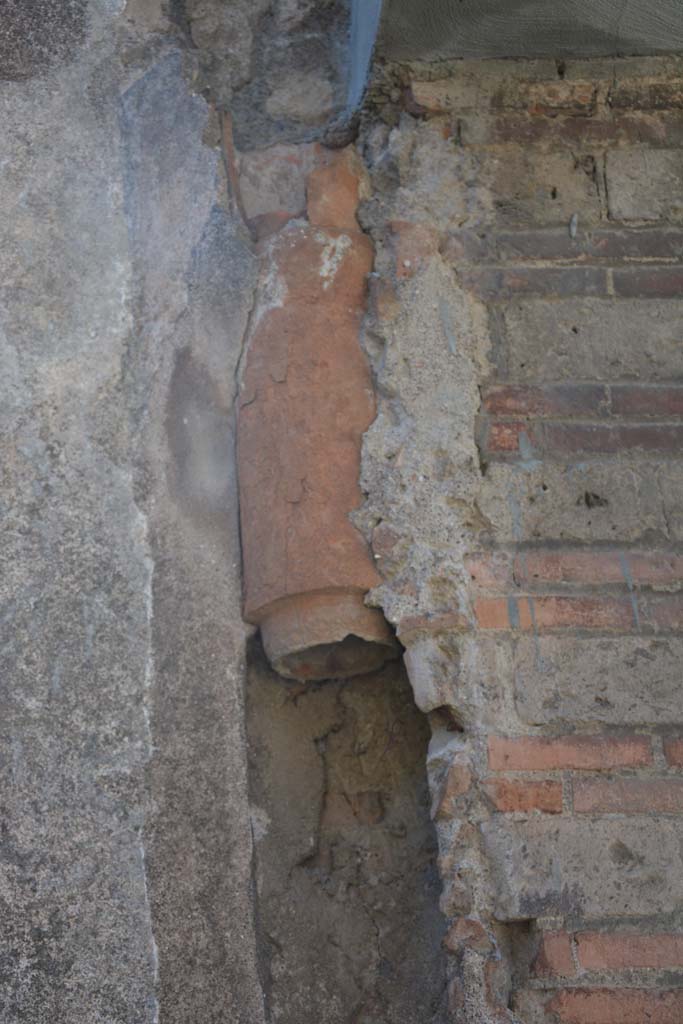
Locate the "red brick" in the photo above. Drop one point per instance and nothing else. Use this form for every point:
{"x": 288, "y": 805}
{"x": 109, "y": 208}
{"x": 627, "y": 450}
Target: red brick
{"x": 594, "y": 566}
{"x": 585, "y": 566}
{"x": 492, "y": 613}
{"x": 496, "y": 284}
{"x": 332, "y": 192}
{"x": 509, "y": 795}
{"x": 548, "y": 98}
{"x": 643, "y": 282}
{"x": 617, "y": 1006}
{"x": 490, "y": 570}
{"x": 554, "y": 956}
{"x": 557, "y": 244}
{"x": 656, "y": 128}
{"x": 504, "y": 438}
{"x": 647, "y": 400}
{"x": 673, "y": 749}
{"x": 553, "y": 400}
{"x": 412, "y": 625}
{"x": 597, "y": 438}
{"x": 543, "y": 613}
{"x": 628, "y": 796}
{"x": 537, "y": 754}
{"x": 615, "y": 951}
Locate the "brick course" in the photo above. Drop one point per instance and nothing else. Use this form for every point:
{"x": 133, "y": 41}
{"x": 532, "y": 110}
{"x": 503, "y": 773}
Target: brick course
{"x": 549, "y": 198}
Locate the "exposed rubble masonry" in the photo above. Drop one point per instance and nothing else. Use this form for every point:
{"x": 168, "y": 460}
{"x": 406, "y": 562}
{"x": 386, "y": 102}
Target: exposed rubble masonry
{"x": 524, "y": 484}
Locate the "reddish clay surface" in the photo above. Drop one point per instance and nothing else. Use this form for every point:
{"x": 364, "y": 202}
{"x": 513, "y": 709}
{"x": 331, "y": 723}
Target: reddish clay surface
{"x": 306, "y": 400}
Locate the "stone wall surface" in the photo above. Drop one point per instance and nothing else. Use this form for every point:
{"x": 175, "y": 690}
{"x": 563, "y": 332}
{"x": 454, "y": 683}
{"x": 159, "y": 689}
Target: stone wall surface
{"x": 126, "y": 284}
{"x": 184, "y": 836}
{"x": 523, "y": 481}
{"x": 131, "y": 887}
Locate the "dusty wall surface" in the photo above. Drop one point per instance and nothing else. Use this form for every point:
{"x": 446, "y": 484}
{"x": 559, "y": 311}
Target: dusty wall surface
{"x": 184, "y": 835}
{"x": 126, "y": 848}
{"x": 130, "y": 267}
{"x": 523, "y": 485}
{"x": 345, "y": 851}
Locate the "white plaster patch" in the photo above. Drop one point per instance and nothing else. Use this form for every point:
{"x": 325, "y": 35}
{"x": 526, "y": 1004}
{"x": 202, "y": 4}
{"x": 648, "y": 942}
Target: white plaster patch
{"x": 331, "y": 257}
{"x": 260, "y": 822}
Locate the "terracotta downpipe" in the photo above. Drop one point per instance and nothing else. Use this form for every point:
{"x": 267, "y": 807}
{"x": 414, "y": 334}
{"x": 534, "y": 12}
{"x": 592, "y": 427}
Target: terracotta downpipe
{"x": 305, "y": 401}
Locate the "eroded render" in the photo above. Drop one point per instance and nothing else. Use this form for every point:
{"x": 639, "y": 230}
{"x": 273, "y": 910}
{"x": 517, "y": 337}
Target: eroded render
{"x": 410, "y": 751}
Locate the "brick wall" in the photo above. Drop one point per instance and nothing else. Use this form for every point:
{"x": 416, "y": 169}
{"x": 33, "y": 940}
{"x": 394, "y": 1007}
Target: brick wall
{"x": 541, "y": 600}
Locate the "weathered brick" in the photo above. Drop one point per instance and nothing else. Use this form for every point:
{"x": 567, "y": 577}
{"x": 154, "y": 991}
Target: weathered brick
{"x": 581, "y": 400}
{"x": 673, "y": 749}
{"x": 615, "y": 951}
{"x": 493, "y": 613}
{"x": 619, "y": 681}
{"x": 509, "y": 437}
{"x": 628, "y": 796}
{"x": 595, "y": 339}
{"x": 656, "y": 129}
{"x": 645, "y": 184}
{"x": 561, "y": 400}
{"x": 568, "y": 438}
{"x": 511, "y": 795}
{"x": 648, "y": 95}
{"x": 646, "y": 400}
{"x": 490, "y": 570}
{"x": 592, "y": 566}
{"x": 644, "y": 282}
{"x": 554, "y": 612}
{"x": 592, "y": 866}
{"x": 413, "y": 626}
{"x": 507, "y": 90}
{"x": 617, "y": 1006}
{"x": 549, "y": 98}
{"x": 613, "y": 244}
{"x": 498, "y": 284}
{"x": 597, "y": 753}
{"x": 554, "y": 957}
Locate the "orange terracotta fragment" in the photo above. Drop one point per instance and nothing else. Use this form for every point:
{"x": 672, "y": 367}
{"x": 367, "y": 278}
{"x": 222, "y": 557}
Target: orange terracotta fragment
{"x": 306, "y": 400}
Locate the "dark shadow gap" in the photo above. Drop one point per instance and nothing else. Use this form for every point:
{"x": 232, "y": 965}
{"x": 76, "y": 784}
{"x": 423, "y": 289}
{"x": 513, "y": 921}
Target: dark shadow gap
{"x": 345, "y": 863}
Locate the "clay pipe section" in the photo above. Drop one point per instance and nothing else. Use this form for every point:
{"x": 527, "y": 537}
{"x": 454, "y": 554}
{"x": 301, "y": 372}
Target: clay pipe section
{"x": 305, "y": 401}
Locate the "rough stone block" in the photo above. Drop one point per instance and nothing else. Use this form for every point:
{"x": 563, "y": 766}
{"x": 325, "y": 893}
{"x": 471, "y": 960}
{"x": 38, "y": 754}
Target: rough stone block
{"x": 628, "y": 796}
{"x": 539, "y": 187}
{"x": 583, "y": 501}
{"x": 595, "y": 339}
{"x": 645, "y": 184}
{"x": 591, "y": 866}
{"x": 627, "y": 681}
